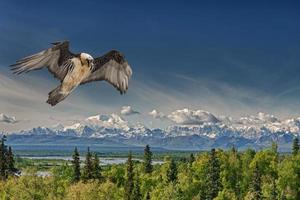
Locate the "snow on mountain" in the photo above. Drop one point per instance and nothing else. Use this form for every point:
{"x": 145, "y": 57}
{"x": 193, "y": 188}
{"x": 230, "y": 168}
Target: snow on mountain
{"x": 192, "y": 127}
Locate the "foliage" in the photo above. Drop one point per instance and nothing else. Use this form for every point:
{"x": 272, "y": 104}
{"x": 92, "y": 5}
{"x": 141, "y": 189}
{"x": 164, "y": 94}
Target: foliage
{"x": 218, "y": 175}
{"x": 96, "y": 168}
{"x": 147, "y": 159}
{"x": 295, "y": 146}
{"x": 7, "y": 161}
{"x": 136, "y": 193}
{"x": 88, "y": 166}
{"x": 172, "y": 172}
{"x": 76, "y": 165}
{"x": 129, "y": 185}
{"x": 213, "y": 180}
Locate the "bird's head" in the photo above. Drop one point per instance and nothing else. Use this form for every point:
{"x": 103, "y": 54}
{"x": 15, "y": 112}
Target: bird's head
{"x": 87, "y": 59}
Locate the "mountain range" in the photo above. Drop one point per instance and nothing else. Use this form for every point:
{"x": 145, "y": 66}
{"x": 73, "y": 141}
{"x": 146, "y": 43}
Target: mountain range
{"x": 203, "y": 132}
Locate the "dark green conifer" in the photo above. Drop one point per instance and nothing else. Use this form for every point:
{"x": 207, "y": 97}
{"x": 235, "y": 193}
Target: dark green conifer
{"x": 213, "y": 181}
{"x": 295, "y": 146}
{"x": 96, "y": 168}
{"x": 255, "y": 186}
{"x": 3, "y": 157}
{"x": 172, "y": 172}
{"x": 129, "y": 185}
{"x": 76, "y": 165}
{"x": 88, "y": 167}
{"x": 10, "y": 161}
{"x": 136, "y": 193}
{"x": 192, "y": 158}
{"x": 148, "y": 159}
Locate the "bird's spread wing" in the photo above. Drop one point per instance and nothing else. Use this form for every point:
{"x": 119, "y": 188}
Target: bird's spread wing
{"x": 57, "y": 59}
{"x": 116, "y": 73}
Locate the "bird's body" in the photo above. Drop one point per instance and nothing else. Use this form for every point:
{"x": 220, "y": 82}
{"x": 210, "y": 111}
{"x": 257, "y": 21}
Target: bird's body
{"x": 75, "y": 69}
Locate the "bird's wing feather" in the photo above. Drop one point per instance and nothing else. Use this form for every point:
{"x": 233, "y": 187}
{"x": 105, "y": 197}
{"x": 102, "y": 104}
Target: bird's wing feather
{"x": 57, "y": 59}
{"x": 113, "y": 72}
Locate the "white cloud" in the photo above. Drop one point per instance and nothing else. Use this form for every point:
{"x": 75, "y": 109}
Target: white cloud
{"x": 127, "y": 110}
{"x": 192, "y": 117}
{"x": 157, "y": 115}
{"x": 7, "y": 119}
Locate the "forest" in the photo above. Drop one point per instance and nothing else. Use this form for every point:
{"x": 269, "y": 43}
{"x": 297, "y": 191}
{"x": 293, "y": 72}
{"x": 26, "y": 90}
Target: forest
{"x": 214, "y": 175}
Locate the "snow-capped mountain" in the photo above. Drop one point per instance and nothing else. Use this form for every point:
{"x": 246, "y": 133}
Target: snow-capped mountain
{"x": 193, "y": 130}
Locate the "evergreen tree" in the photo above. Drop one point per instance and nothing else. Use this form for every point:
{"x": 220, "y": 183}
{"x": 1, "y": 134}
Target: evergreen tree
{"x": 295, "y": 146}
{"x": 3, "y": 157}
{"x": 10, "y": 161}
{"x": 136, "y": 193}
{"x": 274, "y": 147}
{"x": 147, "y": 159}
{"x": 192, "y": 159}
{"x": 255, "y": 186}
{"x": 233, "y": 149}
{"x": 213, "y": 181}
{"x": 88, "y": 167}
{"x": 172, "y": 172}
{"x": 76, "y": 165}
{"x": 129, "y": 185}
{"x": 96, "y": 168}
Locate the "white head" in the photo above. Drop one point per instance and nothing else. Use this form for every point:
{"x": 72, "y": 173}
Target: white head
{"x": 87, "y": 59}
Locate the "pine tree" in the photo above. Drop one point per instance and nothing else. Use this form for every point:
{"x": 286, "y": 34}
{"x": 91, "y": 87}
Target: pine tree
{"x": 213, "y": 182}
{"x": 129, "y": 185}
{"x": 233, "y": 149}
{"x": 147, "y": 159}
{"x": 3, "y": 161}
{"x": 172, "y": 172}
{"x": 136, "y": 193}
{"x": 192, "y": 159}
{"x": 96, "y": 168}
{"x": 274, "y": 147}
{"x": 88, "y": 167}
{"x": 10, "y": 161}
{"x": 255, "y": 186}
{"x": 295, "y": 146}
{"x": 76, "y": 165}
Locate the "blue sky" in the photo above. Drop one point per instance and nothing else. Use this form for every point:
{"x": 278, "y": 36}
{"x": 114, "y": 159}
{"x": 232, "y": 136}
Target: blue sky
{"x": 228, "y": 57}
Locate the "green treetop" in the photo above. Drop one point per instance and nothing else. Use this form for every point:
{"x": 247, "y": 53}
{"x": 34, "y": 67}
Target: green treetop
{"x": 213, "y": 182}
{"x": 147, "y": 159}
{"x": 136, "y": 193}
{"x": 96, "y": 168}
{"x": 172, "y": 171}
{"x": 255, "y": 185}
{"x": 129, "y": 185}
{"x": 76, "y": 165}
{"x": 295, "y": 146}
{"x": 88, "y": 167}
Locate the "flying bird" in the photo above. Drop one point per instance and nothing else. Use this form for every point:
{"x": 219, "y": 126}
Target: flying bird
{"x": 75, "y": 69}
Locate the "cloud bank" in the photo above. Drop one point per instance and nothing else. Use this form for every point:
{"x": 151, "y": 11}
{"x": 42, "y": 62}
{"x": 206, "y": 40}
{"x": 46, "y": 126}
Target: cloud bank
{"x": 7, "y": 119}
{"x": 192, "y": 117}
{"x": 127, "y": 110}
{"x": 157, "y": 115}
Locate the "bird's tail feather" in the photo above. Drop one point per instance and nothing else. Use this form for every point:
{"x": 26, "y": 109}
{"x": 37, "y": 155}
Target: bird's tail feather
{"x": 56, "y": 96}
